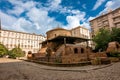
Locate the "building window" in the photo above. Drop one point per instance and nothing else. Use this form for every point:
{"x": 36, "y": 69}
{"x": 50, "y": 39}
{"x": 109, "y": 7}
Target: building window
{"x": 117, "y": 25}
{"x": 82, "y": 50}
{"x": 75, "y": 50}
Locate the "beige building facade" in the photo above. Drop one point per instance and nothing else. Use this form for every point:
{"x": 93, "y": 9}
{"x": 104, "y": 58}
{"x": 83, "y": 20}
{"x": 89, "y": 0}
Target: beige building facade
{"x": 26, "y": 41}
{"x": 82, "y": 32}
{"x": 79, "y": 31}
{"x": 108, "y": 21}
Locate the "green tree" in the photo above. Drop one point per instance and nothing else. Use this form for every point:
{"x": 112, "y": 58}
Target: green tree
{"x": 3, "y": 50}
{"x": 115, "y": 34}
{"x": 102, "y": 39}
{"x": 16, "y": 52}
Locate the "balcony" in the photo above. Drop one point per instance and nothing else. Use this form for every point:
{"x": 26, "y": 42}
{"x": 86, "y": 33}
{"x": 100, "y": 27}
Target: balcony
{"x": 105, "y": 24}
{"x": 116, "y": 15}
{"x": 117, "y": 21}
{"x": 104, "y": 19}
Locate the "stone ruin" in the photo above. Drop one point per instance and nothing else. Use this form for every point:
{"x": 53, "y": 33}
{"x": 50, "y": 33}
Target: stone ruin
{"x": 113, "y": 46}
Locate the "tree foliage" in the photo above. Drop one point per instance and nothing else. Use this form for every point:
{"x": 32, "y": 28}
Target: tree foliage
{"x": 3, "y": 50}
{"x": 16, "y": 52}
{"x": 102, "y": 39}
{"x": 115, "y": 34}
{"x": 104, "y": 36}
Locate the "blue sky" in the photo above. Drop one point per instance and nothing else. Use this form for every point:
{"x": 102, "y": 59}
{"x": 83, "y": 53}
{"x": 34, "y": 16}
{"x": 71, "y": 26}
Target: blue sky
{"x": 39, "y": 16}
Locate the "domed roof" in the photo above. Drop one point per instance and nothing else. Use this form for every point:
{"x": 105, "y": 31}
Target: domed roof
{"x": 58, "y": 28}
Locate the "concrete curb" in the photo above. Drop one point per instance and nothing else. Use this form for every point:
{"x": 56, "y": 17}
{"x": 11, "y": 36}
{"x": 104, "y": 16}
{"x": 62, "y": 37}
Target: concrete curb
{"x": 96, "y": 67}
{"x": 78, "y": 70}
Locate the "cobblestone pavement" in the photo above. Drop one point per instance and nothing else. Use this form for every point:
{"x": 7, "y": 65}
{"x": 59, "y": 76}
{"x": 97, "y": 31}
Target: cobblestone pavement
{"x": 20, "y": 70}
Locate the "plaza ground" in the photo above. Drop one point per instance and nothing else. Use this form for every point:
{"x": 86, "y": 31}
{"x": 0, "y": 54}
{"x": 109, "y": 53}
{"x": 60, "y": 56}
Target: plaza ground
{"x": 11, "y": 69}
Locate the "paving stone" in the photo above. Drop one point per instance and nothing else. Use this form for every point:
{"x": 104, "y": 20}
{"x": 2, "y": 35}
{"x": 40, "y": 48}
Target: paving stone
{"x": 20, "y": 70}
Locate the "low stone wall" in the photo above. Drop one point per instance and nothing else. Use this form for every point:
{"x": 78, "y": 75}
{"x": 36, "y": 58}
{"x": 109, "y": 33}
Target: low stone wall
{"x": 61, "y": 64}
{"x": 98, "y": 61}
{"x": 98, "y": 54}
{"x": 113, "y": 46}
{"x": 74, "y": 58}
{"x": 114, "y": 59}
{"x": 45, "y": 59}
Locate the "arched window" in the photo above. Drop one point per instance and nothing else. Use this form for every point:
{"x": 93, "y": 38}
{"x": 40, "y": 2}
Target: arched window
{"x": 75, "y": 50}
{"x": 82, "y": 50}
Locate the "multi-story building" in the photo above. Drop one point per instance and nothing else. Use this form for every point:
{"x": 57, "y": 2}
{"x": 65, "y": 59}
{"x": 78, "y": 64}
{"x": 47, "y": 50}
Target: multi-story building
{"x": 26, "y": 41}
{"x": 108, "y": 20}
{"x": 81, "y": 32}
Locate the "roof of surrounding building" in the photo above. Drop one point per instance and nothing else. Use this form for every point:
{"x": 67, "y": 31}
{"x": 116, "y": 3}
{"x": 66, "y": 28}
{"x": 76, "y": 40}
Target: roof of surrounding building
{"x": 105, "y": 14}
{"x": 22, "y": 32}
{"x": 79, "y": 27}
{"x": 69, "y": 39}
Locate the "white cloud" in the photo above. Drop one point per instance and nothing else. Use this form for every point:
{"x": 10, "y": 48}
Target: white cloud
{"x": 23, "y": 25}
{"x": 20, "y": 6}
{"x": 42, "y": 19}
{"x": 110, "y": 5}
{"x": 37, "y": 26}
{"x": 98, "y": 3}
{"x": 37, "y": 20}
{"x": 55, "y": 3}
{"x": 12, "y": 23}
{"x": 7, "y": 20}
{"x": 74, "y": 20}
{"x": 86, "y": 25}
{"x": 17, "y": 11}
{"x": 90, "y": 18}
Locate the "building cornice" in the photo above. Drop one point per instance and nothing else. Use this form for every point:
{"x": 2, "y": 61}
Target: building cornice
{"x": 22, "y": 32}
{"x": 105, "y": 14}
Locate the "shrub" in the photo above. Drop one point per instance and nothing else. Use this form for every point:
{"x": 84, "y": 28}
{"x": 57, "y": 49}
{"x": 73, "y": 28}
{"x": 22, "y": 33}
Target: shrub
{"x": 114, "y": 54}
{"x": 3, "y": 50}
{"x": 16, "y": 52}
